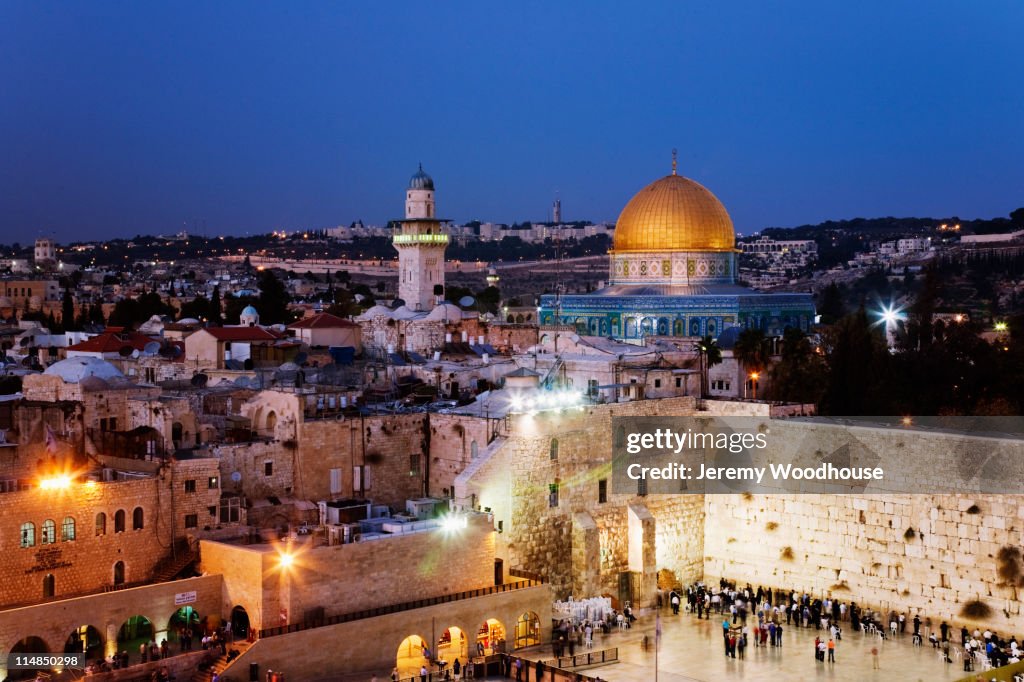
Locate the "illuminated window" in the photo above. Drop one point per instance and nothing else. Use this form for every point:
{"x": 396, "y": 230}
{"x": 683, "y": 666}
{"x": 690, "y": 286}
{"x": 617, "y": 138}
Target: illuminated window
{"x": 48, "y": 532}
{"x": 119, "y": 521}
{"x": 67, "y": 529}
{"x": 101, "y": 524}
{"x": 28, "y": 534}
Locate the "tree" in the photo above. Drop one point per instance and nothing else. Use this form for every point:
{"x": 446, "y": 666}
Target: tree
{"x": 216, "y": 308}
{"x": 798, "y": 375}
{"x": 273, "y": 300}
{"x": 831, "y": 307}
{"x": 67, "y": 310}
{"x": 751, "y": 350}
{"x": 858, "y": 361}
{"x": 708, "y": 355}
{"x": 1017, "y": 217}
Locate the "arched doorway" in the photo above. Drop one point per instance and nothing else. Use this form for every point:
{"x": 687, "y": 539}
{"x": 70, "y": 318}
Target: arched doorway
{"x": 452, "y": 644}
{"x": 409, "y": 656}
{"x": 29, "y": 645}
{"x": 185, "y": 618}
{"x": 239, "y": 622}
{"x": 133, "y": 632}
{"x": 527, "y": 630}
{"x": 119, "y": 571}
{"x": 85, "y": 639}
{"x": 271, "y": 422}
{"x": 490, "y": 638}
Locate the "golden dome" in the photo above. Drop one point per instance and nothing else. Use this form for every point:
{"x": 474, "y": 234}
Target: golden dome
{"x": 674, "y": 214}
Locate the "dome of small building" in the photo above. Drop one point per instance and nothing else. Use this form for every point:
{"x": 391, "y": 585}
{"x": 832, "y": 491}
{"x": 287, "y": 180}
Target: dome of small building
{"x": 74, "y": 370}
{"x": 376, "y": 311}
{"x": 445, "y": 312}
{"x": 250, "y": 317}
{"x": 421, "y": 180}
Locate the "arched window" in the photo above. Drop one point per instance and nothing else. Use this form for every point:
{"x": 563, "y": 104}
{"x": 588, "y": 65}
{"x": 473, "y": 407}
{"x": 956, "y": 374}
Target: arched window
{"x": 48, "y": 533}
{"x": 28, "y": 534}
{"x": 67, "y": 529}
{"x": 48, "y": 586}
{"x": 554, "y": 448}
{"x": 119, "y": 521}
{"x": 119, "y": 573}
{"x": 137, "y": 519}
{"x": 101, "y": 524}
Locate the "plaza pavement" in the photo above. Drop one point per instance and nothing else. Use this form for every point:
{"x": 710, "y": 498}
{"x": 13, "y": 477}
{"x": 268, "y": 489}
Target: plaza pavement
{"x": 692, "y": 651}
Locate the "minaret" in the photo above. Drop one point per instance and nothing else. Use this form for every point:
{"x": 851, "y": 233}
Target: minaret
{"x": 420, "y": 241}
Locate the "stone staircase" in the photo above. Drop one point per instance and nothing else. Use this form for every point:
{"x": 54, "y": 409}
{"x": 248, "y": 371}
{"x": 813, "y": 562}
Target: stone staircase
{"x": 171, "y": 568}
{"x": 220, "y": 664}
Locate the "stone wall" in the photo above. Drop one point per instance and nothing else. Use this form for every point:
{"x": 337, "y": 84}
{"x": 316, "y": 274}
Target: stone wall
{"x": 455, "y": 440}
{"x": 919, "y": 553}
{"x": 579, "y": 543}
{"x": 86, "y": 562}
{"x": 55, "y": 621}
{"x": 352, "y": 577}
{"x": 371, "y": 645}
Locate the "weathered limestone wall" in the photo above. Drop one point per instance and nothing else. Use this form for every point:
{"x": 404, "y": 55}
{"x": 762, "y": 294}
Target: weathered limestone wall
{"x": 54, "y": 621}
{"x": 86, "y": 562}
{"x": 400, "y": 568}
{"x": 556, "y": 539}
{"x": 391, "y": 447}
{"x": 455, "y": 440}
{"x": 373, "y": 644}
{"x": 924, "y": 553}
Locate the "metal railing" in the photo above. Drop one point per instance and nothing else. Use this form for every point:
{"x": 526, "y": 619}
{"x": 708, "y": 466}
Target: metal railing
{"x": 396, "y": 608}
{"x": 586, "y": 659}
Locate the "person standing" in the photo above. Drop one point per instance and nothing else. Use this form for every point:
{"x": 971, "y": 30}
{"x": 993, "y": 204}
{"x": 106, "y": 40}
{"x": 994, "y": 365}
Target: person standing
{"x": 456, "y": 668}
{"x": 423, "y": 673}
{"x": 831, "y": 650}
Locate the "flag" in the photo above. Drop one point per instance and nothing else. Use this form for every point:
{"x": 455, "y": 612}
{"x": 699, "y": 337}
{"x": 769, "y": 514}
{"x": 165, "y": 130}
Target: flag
{"x": 51, "y": 440}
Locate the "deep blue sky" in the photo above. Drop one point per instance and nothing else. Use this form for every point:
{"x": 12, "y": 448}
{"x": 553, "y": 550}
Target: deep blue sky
{"x": 133, "y": 117}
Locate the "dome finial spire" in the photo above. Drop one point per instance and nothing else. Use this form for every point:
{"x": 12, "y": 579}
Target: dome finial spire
{"x": 674, "y": 152}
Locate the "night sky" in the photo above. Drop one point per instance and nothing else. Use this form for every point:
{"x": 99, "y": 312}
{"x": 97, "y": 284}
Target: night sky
{"x": 144, "y": 117}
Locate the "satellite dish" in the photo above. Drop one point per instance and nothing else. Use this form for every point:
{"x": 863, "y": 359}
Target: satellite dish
{"x": 125, "y": 351}
{"x": 136, "y": 353}
{"x": 236, "y": 476}
{"x": 151, "y": 348}
{"x": 467, "y": 301}
{"x": 199, "y": 380}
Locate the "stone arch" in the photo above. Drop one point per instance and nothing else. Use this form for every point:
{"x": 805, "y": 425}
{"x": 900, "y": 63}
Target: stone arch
{"x": 119, "y": 573}
{"x": 85, "y": 639}
{"x": 527, "y": 630}
{"x": 240, "y": 624}
{"x": 185, "y": 617}
{"x": 134, "y": 631}
{"x": 271, "y": 422}
{"x": 138, "y": 518}
{"x": 409, "y": 656}
{"x": 28, "y": 645}
{"x": 101, "y": 524}
{"x": 119, "y": 522}
{"x": 491, "y": 637}
{"x": 453, "y": 643}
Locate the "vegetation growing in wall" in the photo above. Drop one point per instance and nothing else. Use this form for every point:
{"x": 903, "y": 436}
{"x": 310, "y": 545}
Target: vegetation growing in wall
{"x": 1009, "y": 569}
{"x": 976, "y": 610}
{"x": 909, "y": 534}
{"x": 786, "y": 554}
{"x": 974, "y": 509}
{"x": 770, "y": 526}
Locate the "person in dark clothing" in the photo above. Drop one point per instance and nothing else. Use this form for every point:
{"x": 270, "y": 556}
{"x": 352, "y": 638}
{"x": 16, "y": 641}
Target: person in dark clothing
{"x": 540, "y": 671}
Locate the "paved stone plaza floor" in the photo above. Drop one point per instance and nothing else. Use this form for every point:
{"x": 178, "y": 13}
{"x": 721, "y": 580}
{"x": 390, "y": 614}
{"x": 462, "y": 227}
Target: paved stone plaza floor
{"x": 692, "y": 650}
